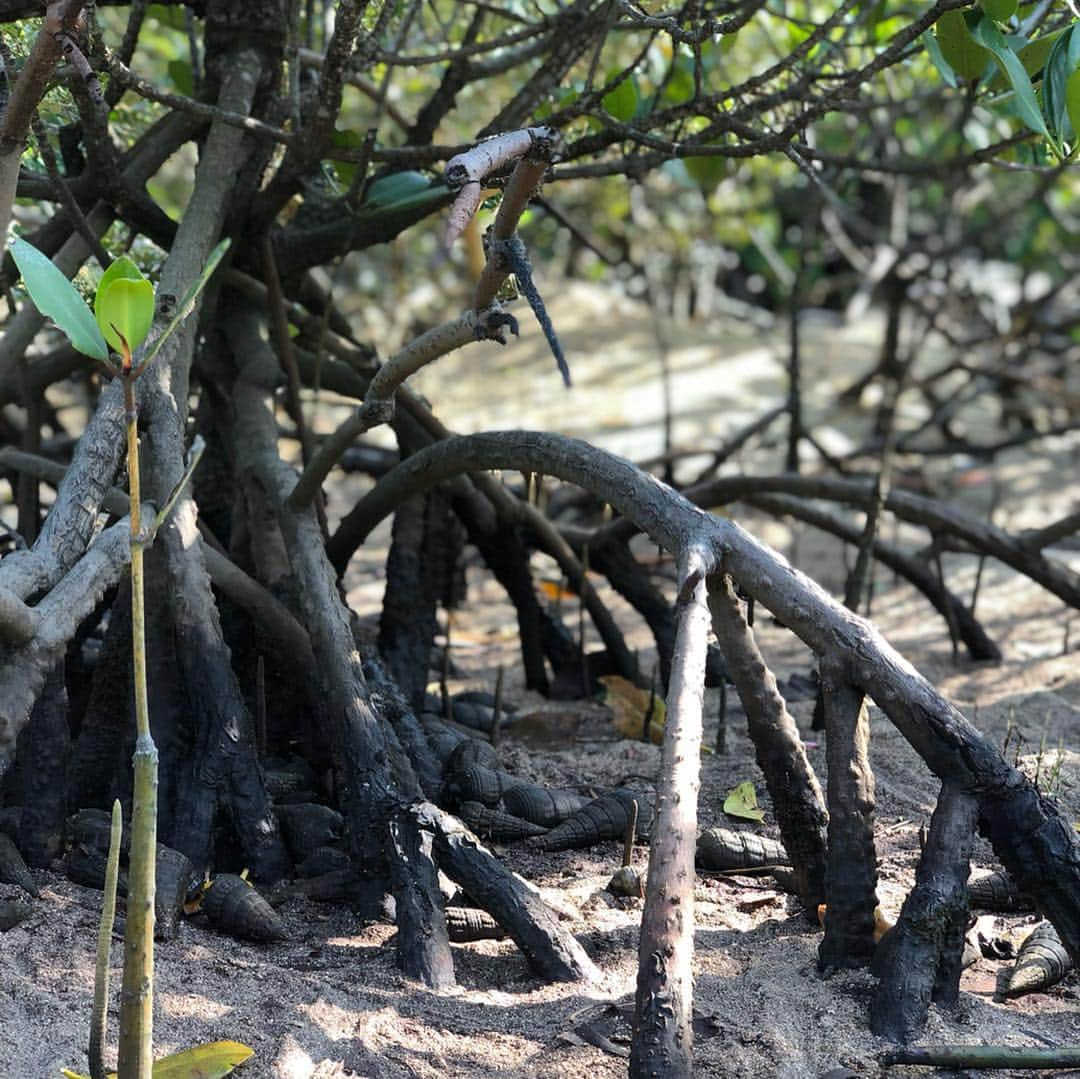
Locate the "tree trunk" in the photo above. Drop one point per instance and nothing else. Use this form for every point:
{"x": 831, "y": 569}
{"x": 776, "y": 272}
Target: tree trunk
{"x": 919, "y": 958}
{"x": 663, "y": 1035}
{"x": 851, "y": 879}
{"x": 793, "y": 787}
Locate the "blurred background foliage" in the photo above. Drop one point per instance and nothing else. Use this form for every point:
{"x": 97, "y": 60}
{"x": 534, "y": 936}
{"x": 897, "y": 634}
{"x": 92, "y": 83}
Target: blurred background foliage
{"x": 893, "y": 157}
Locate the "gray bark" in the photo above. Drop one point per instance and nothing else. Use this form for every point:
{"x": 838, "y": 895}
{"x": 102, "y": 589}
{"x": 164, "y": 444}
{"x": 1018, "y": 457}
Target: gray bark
{"x": 793, "y": 787}
{"x": 1035, "y": 844}
{"x": 663, "y": 1029}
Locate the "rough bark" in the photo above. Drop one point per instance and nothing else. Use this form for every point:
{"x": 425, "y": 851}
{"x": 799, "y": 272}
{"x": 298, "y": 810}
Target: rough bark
{"x": 167, "y": 700}
{"x": 505, "y": 555}
{"x": 920, "y": 957}
{"x": 391, "y": 704}
{"x": 789, "y": 776}
{"x": 851, "y": 878}
{"x": 1034, "y": 843}
{"x": 944, "y": 519}
{"x": 614, "y": 559}
{"x": 107, "y": 721}
{"x": 423, "y": 945}
{"x": 225, "y": 763}
{"x": 415, "y": 574}
{"x": 44, "y": 753}
{"x": 663, "y": 1031}
{"x": 955, "y": 612}
{"x": 356, "y": 734}
{"x": 73, "y": 599}
{"x": 551, "y": 951}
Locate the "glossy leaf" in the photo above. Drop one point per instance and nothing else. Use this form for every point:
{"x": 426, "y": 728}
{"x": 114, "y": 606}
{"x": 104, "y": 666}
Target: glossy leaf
{"x": 680, "y": 86}
{"x": 350, "y": 140}
{"x": 933, "y": 50}
{"x": 57, "y": 298}
{"x": 1063, "y": 61}
{"x": 167, "y": 16}
{"x": 214, "y": 1060}
{"x": 397, "y": 187}
{"x": 1072, "y": 102}
{"x": 741, "y": 802}
{"x": 961, "y": 51}
{"x": 1033, "y": 56}
{"x": 1027, "y": 106}
{"x": 622, "y": 102}
{"x": 124, "y": 305}
{"x": 999, "y": 10}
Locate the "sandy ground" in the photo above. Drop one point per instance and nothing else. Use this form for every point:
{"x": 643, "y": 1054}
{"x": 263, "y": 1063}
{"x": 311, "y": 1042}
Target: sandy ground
{"x": 330, "y": 1001}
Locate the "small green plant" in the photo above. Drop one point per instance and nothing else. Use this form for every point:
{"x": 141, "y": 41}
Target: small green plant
{"x": 122, "y": 318}
{"x": 1050, "y": 780}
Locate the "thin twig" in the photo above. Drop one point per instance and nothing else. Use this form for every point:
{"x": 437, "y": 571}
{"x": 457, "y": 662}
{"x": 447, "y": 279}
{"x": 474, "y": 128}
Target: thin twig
{"x": 63, "y": 192}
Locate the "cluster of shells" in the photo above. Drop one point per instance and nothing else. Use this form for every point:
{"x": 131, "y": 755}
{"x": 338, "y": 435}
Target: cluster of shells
{"x": 1041, "y": 961}
{"x": 492, "y": 803}
{"x": 506, "y": 808}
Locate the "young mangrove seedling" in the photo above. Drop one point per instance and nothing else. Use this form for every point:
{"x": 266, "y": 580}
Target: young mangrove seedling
{"x": 122, "y": 318}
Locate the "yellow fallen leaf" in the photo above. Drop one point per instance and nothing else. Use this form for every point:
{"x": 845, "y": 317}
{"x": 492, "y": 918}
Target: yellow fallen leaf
{"x": 742, "y": 802}
{"x": 555, "y": 590}
{"x": 210, "y": 1061}
{"x": 629, "y": 705}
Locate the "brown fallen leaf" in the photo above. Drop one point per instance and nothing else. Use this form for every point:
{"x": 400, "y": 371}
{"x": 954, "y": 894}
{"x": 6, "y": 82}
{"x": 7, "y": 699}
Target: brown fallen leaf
{"x": 629, "y": 705}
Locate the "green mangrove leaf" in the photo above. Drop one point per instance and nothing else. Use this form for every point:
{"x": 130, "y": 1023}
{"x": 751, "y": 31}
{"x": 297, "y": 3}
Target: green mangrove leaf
{"x": 960, "y": 50}
{"x": 1033, "y": 56}
{"x": 57, "y": 298}
{"x": 706, "y": 172}
{"x": 121, "y": 267}
{"x": 403, "y": 192}
{"x": 680, "y": 86}
{"x": 124, "y": 305}
{"x": 395, "y": 188}
{"x": 1072, "y": 102}
{"x": 622, "y": 102}
{"x": 999, "y": 10}
{"x": 182, "y": 78}
{"x": 350, "y": 140}
{"x": 1027, "y": 105}
{"x": 742, "y": 802}
{"x": 1064, "y": 59}
{"x": 933, "y": 50}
